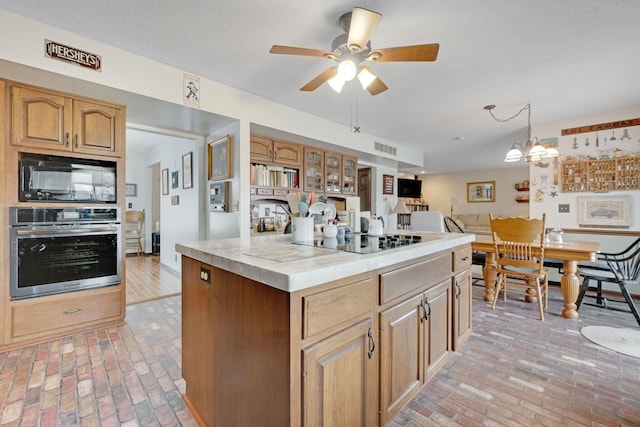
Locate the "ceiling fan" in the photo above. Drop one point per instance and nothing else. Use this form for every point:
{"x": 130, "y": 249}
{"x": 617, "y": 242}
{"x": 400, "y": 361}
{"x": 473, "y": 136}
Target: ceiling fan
{"x": 353, "y": 48}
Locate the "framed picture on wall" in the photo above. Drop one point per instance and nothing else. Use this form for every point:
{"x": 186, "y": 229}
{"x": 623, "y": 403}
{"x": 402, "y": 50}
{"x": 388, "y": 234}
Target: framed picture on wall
{"x": 131, "y": 190}
{"x": 387, "y": 184}
{"x": 605, "y": 211}
{"x": 219, "y": 159}
{"x": 483, "y": 191}
{"x": 187, "y": 174}
{"x": 165, "y": 181}
{"x": 174, "y": 179}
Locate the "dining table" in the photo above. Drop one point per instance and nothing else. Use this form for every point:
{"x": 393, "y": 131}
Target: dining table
{"x": 570, "y": 252}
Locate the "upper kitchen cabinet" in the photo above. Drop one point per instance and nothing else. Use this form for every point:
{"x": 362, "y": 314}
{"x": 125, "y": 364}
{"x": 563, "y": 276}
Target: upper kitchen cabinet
{"x": 273, "y": 151}
{"x": 333, "y": 172}
{"x": 340, "y": 173}
{"x": 52, "y": 121}
{"x": 313, "y": 170}
{"x": 349, "y": 175}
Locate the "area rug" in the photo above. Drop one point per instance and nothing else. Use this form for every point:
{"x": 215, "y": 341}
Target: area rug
{"x": 622, "y": 340}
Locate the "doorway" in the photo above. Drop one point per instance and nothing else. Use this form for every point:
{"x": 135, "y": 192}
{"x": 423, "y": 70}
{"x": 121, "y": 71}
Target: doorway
{"x": 364, "y": 189}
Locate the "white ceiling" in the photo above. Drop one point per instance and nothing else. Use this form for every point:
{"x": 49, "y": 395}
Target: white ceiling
{"x": 568, "y": 58}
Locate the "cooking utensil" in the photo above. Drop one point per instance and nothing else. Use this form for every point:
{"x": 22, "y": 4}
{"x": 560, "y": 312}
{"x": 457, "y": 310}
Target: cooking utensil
{"x": 292, "y": 199}
{"x": 303, "y": 208}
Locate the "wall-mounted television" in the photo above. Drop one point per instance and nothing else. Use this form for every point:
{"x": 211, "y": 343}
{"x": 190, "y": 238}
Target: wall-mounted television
{"x": 411, "y": 188}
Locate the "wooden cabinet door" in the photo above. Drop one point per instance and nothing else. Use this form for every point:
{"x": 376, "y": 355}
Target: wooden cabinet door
{"x": 333, "y": 172}
{"x": 349, "y": 174}
{"x": 339, "y": 378}
{"x": 313, "y": 170}
{"x": 285, "y": 153}
{"x": 400, "y": 353}
{"x": 40, "y": 119}
{"x": 97, "y": 128}
{"x": 462, "y": 297}
{"x": 437, "y": 328}
{"x": 260, "y": 149}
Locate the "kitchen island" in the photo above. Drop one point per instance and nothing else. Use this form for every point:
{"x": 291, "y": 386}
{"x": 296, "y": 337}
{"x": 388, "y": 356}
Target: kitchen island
{"x": 282, "y": 334}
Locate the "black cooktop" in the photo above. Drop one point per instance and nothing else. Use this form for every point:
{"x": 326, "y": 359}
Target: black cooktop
{"x": 364, "y": 244}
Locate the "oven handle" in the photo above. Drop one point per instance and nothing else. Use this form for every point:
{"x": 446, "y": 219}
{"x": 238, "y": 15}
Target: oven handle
{"x": 67, "y": 231}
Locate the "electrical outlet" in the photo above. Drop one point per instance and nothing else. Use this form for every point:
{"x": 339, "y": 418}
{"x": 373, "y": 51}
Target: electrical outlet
{"x": 205, "y": 275}
{"x": 563, "y": 208}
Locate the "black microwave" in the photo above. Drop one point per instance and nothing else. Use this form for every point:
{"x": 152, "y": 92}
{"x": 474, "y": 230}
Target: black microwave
{"x": 46, "y": 178}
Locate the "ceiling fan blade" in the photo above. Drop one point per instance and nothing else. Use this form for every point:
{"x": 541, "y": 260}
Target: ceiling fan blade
{"x": 377, "y": 86}
{"x": 419, "y": 52}
{"x": 291, "y": 50}
{"x": 320, "y": 79}
{"x": 363, "y": 22}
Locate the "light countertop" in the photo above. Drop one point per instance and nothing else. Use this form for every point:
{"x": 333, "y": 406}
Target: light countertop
{"x": 276, "y": 261}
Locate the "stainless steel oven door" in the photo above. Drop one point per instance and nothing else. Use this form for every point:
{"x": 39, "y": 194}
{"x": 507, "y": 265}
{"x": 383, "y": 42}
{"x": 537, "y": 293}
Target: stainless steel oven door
{"x": 49, "y": 259}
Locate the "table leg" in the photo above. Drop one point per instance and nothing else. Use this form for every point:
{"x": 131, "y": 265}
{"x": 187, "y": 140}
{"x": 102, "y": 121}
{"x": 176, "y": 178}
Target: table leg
{"x": 570, "y": 285}
{"x": 489, "y": 275}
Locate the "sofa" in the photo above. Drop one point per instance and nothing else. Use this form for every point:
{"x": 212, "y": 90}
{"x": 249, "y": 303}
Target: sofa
{"x": 476, "y": 223}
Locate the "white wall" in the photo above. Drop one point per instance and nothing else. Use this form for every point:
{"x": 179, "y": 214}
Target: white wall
{"x": 438, "y": 190}
{"x": 549, "y": 204}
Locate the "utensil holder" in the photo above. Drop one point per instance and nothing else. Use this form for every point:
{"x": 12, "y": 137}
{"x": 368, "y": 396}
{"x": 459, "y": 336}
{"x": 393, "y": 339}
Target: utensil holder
{"x": 302, "y": 229}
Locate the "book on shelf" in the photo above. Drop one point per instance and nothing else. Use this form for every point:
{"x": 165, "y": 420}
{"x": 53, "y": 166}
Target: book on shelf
{"x": 273, "y": 176}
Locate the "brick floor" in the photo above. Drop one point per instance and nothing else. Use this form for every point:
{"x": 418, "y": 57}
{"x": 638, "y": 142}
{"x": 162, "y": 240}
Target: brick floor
{"x": 514, "y": 371}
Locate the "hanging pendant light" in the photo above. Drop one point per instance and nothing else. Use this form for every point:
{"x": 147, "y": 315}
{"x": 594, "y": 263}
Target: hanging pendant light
{"x": 532, "y": 150}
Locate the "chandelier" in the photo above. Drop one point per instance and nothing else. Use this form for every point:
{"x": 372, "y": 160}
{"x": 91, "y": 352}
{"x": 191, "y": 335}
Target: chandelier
{"x": 531, "y": 150}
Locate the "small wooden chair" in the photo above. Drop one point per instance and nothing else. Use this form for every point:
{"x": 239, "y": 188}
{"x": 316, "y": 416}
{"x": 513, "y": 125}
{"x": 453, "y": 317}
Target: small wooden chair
{"x": 134, "y": 221}
{"x": 519, "y": 248}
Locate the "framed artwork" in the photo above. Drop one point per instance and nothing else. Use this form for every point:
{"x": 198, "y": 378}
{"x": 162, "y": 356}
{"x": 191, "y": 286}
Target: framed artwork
{"x": 387, "y": 184}
{"x": 479, "y": 192}
{"x": 131, "y": 190}
{"x": 219, "y": 159}
{"x": 187, "y": 174}
{"x": 191, "y": 90}
{"x": 605, "y": 211}
{"x": 174, "y": 179}
{"x": 165, "y": 181}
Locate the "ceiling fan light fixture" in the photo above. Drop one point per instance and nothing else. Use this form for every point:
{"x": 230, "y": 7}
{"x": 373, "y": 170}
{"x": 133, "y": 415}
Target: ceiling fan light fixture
{"x": 347, "y": 70}
{"x": 366, "y": 77}
{"x": 336, "y": 83}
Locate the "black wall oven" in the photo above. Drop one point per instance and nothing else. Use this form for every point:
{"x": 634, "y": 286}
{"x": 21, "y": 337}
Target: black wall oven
{"x": 55, "y": 250}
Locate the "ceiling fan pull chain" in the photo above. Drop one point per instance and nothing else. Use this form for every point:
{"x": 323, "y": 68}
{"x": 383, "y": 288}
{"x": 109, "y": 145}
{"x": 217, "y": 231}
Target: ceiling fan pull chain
{"x": 354, "y": 107}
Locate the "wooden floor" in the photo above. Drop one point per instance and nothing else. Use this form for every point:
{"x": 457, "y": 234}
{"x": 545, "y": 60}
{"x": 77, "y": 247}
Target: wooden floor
{"x": 148, "y": 280}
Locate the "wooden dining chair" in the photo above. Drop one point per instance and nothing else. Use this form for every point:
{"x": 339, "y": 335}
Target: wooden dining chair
{"x": 134, "y": 221}
{"x": 519, "y": 248}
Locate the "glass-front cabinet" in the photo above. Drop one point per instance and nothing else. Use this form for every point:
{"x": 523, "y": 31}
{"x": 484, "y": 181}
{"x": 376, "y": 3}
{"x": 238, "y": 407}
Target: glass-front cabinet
{"x": 313, "y": 170}
{"x": 333, "y": 172}
{"x": 349, "y": 174}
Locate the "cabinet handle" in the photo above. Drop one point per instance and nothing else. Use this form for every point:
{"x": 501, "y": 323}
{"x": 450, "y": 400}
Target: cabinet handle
{"x": 67, "y": 135}
{"x": 458, "y": 289}
{"x": 427, "y": 313}
{"x": 373, "y": 344}
{"x": 76, "y": 140}
{"x": 77, "y": 310}
{"x": 424, "y": 311}
{"x": 465, "y": 258}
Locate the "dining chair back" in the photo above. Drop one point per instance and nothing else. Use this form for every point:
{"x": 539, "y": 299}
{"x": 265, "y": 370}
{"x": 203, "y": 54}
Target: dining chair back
{"x": 622, "y": 268}
{"x": 134, "y": 221}
{"x": 519, "y": 248}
